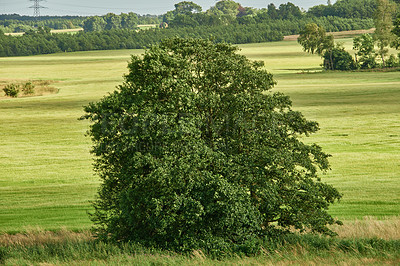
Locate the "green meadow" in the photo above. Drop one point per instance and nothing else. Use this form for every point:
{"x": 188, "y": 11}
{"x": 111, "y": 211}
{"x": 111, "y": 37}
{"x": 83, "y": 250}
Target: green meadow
{"x": 46, "y": 177}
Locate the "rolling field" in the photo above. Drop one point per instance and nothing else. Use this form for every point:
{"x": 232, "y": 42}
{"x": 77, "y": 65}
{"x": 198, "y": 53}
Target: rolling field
{"x": 46, "y": 177}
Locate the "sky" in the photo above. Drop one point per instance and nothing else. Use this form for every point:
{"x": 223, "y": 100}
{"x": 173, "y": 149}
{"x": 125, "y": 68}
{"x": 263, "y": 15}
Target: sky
{"x": 101, "y": 7}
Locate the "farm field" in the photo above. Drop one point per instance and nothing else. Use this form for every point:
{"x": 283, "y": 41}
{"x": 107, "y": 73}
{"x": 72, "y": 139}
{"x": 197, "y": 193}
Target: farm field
{"x": 46, "y": 177}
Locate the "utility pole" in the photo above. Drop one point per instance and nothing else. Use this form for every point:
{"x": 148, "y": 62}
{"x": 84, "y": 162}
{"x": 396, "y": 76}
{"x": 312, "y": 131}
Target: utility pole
{"x": 36, "y": 7}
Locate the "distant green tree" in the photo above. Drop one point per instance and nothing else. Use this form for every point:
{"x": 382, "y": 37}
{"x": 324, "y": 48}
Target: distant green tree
{"x": 339, "y": 59}
{"x": 94, "y": 24}
{"x": 364, "y": 46}
{"x": 272, "y": 11}
{"x": 396, "y": 31}
{"x": 314, "y": 40}
{"x": 169, "y": 16}
{"x": 225, "y": 11}
{"x": 289, "y": 11}
{"x": 195, "y": 151}
{"x": 319, "y": 10}
{"x": 187, "y": 8}
{"x": 129, "y": 21}
{"x": 383, "y": 27}
{"x": 228, "y": 7}
{"x": 113, "y": 21}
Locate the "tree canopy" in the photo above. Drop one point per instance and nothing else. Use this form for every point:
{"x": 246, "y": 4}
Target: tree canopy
{"x": 195, "y": 151}
{"x": 313, "y": 39}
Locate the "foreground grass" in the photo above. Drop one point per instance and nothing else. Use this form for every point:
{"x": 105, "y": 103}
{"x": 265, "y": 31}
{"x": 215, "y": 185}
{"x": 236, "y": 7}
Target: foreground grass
{"x": 65, "y": 248}
{"x": 46, "y": 176}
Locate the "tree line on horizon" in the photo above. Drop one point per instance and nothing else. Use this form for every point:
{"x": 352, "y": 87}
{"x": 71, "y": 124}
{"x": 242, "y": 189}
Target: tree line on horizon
{"x": 44, "y": 42}
{"x": 226, "y": 21}
{"x": 188, "y": 13}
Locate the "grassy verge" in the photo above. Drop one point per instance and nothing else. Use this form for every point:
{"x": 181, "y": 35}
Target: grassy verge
{"x": 292, "y": 249}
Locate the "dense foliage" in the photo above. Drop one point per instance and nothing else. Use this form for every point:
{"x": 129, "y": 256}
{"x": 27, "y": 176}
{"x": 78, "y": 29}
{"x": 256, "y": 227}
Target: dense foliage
{"x": 195, "y": 151}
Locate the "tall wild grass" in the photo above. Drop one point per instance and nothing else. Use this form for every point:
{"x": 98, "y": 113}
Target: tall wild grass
{"x": 368, "y": 241}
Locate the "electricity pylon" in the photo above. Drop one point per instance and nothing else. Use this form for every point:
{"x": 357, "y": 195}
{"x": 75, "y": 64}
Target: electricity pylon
{"x": 36, "y": 7}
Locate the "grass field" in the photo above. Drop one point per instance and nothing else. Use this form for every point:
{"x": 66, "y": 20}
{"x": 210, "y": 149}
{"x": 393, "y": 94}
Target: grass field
{"x": 46, "y": 177}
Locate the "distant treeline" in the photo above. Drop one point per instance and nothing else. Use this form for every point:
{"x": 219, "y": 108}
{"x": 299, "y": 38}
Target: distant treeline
{"x": 190, "y": 14}
{"x": 228, "y": 11}
{"x": 346, "y": 9}
{"x": 44, "y": 42}
{"x": 17, "y": 23}
{"x": 226, "y": 21}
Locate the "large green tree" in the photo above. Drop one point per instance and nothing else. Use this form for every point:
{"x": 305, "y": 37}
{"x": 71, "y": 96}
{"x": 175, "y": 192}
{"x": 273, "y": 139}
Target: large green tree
{"x": 195, "y": 151}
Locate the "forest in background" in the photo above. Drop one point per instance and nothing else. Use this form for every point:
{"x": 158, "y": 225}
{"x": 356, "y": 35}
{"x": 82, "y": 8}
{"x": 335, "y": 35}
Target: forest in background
{"x": 227, "y": 21}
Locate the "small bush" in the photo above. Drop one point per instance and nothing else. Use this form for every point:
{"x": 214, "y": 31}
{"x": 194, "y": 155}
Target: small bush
{"x": 11, "y": 90}
{"x": 339, "y": 59}
{"x": 28, "y": 88}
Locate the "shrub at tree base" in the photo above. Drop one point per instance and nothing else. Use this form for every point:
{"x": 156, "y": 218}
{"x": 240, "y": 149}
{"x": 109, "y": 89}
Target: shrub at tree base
{"x": 195, "y": 152}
